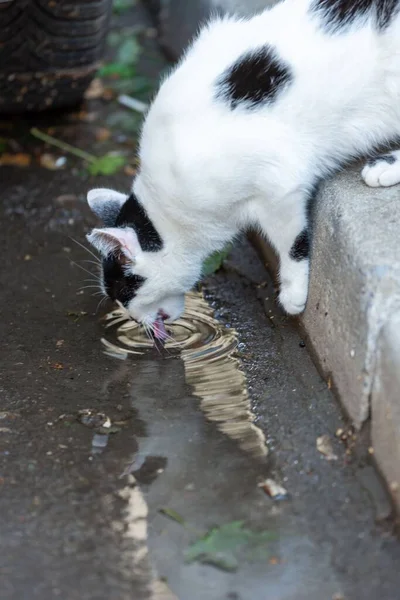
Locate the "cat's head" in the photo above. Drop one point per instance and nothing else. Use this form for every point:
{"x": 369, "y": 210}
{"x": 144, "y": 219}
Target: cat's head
{"x": 140, "y": 269}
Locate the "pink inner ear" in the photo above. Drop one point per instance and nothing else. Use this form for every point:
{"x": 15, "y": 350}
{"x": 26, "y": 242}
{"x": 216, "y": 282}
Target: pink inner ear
{"x": 110, "y": 239}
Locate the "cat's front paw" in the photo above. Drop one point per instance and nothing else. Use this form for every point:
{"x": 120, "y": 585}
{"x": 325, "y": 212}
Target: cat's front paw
{"x": 383, "y": 171}
{"x": 293, "y": 297}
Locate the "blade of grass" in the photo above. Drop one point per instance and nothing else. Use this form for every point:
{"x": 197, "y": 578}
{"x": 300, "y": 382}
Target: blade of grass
{"x": 44, "y": 137}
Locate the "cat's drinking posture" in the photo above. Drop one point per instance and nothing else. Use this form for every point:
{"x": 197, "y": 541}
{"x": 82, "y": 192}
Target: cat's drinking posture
{"x": 254, "y": 115}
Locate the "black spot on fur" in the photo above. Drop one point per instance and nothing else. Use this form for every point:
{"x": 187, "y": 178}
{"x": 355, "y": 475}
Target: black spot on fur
{"x": 301, "y": 246}
{"x": 132, "y": 214}
{"x": 340, "y": 14}
{"x": 387, "y": 158}
{"x": 119, "y": 285}
{"x": 255, "y": 78}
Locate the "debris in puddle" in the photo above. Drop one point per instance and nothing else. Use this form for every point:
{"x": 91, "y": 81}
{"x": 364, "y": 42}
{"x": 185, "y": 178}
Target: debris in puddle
{"x": 172, "y": 514}
{"x": 5, "y": 430}
{"x": 324, "y": 446}
{"x": 221, "y": 546}
{"x": 273, "y": 489}
{"x": 132, "y": 103}
{"x": 102, "y": 425}
{"x": 51, "y": 162}
{"x": 99, "y": 442}
{"x": 91, "y": 418}
{"x": 19, "y": 159}
{"x": 59, "y": 343}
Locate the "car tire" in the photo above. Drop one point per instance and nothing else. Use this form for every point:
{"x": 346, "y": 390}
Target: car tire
{"x": 49, "y": 51}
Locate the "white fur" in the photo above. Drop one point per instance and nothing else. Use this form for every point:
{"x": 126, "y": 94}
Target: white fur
{"x": 382, "y": 173}
{"x": 208, "y": 172}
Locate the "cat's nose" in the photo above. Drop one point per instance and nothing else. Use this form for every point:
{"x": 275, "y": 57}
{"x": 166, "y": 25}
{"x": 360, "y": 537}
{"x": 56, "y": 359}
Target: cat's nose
{"x": 163, "y": 315}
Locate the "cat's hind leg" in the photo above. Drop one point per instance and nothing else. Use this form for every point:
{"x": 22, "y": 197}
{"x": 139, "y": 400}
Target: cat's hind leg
{"x": 383, "y": 170}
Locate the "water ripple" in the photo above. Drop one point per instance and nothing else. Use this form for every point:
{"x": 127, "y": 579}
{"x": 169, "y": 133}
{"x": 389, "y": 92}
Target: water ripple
{"x": 207, "y": 349}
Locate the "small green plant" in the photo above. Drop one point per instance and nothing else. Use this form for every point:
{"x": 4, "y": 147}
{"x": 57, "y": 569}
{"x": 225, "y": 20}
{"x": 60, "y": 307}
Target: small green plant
{"x": 214, "y": 262}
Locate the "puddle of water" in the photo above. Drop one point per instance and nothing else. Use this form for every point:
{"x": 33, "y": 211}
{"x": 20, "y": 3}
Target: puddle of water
{"x": 207, "y": 349}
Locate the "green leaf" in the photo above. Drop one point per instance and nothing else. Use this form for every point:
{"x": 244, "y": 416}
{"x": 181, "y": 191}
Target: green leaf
{"x": 116, "y": 68}
{"x": 220, "y": 546}
{"x": 129, "y": 52}
{"x": 107, "y": 165}
{"x": 214, "y": 262}
{"x": 3, "y": 144}
{"x": 121, "y": 6}
{"x": 172, "y": 514}
{"x": 140, "y": 87}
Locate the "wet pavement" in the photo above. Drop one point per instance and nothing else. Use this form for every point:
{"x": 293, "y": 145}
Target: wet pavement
{"x": 88, "y": 515}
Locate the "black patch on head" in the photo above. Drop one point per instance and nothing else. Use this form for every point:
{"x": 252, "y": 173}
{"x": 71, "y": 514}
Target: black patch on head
{"x": 118, "y": 284}
{"x": 337, "y": 15}
{"x": 257, "y": 77}
{"x": 132, "y": 214}
{"x": 301, "y": 246}
{"x": 387, "y": 158}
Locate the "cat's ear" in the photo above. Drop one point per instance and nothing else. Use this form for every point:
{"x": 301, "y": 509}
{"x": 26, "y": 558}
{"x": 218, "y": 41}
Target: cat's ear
{"x": 116, "y": 240}
{"x": 106, "y": 204}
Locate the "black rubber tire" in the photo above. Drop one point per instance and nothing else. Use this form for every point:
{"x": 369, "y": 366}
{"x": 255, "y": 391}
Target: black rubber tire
{"x": 49, "y": 51}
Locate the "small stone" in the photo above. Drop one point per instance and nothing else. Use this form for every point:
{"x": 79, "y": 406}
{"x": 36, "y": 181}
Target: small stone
{"x": 324, "y": 446}
{"x": 394, "y": 486}
{"x": 370, "y": 450}
{"x": 352, "y": 353}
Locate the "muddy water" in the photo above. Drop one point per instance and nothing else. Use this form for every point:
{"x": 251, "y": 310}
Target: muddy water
{"x": 212, "y": 368}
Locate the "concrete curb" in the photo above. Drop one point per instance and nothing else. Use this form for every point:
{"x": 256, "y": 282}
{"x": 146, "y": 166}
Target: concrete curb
{"x": 352, "y": 318}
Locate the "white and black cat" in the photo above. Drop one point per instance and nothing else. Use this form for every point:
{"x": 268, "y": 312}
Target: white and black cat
{"x": 255, "y": 114}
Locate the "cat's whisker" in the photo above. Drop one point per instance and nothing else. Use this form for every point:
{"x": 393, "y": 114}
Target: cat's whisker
{"x": 82, "y": 268}
{"x": 100, "y": 303}
{"x": 87, "y": 249}
{"x": 85, "y": 287}
{"x": 93, "y": 262}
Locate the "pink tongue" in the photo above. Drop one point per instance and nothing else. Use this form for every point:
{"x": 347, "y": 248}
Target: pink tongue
{"x": 160, "y": 333}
